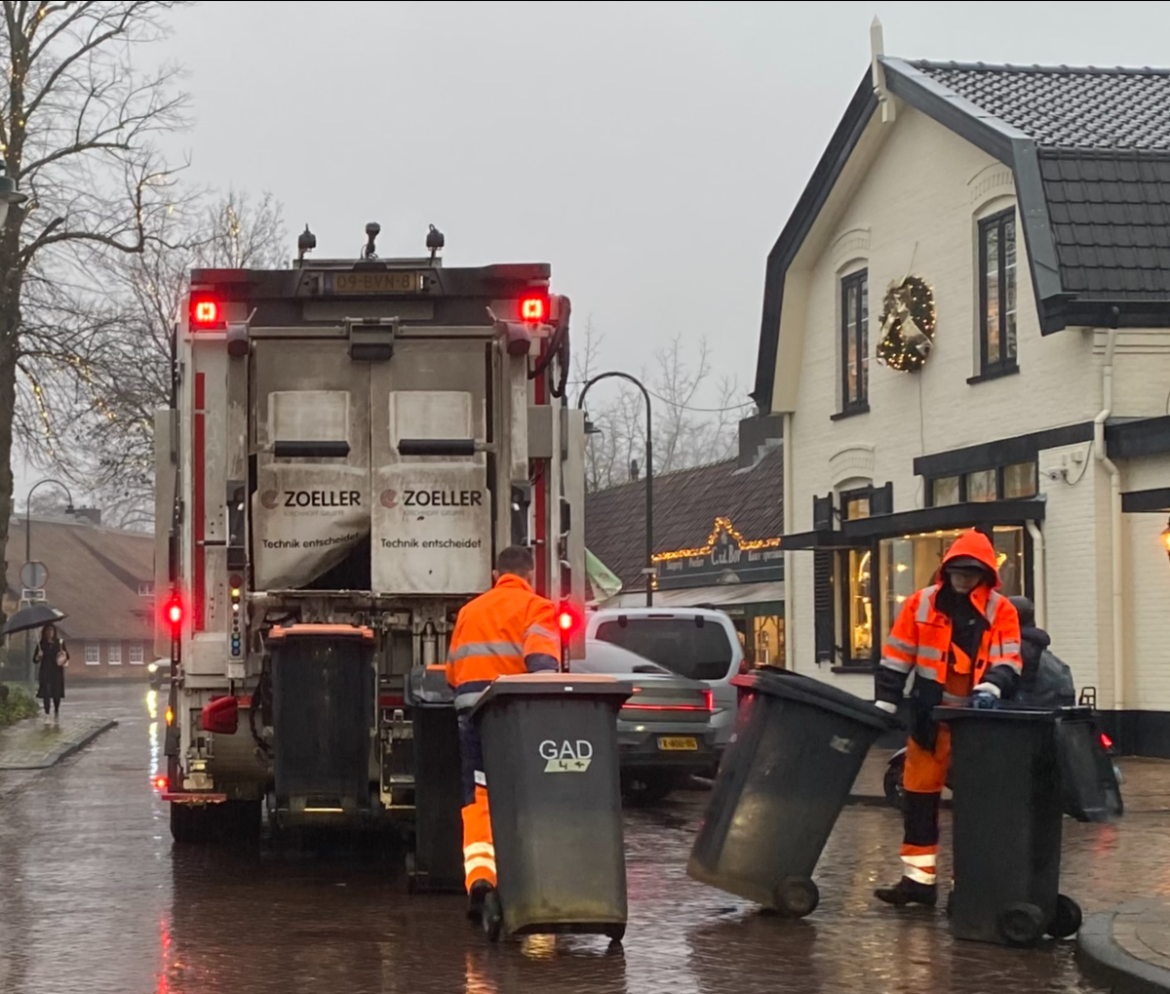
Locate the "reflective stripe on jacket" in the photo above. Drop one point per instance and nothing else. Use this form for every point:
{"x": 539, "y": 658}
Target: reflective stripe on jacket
{"x": 510, "y": 629}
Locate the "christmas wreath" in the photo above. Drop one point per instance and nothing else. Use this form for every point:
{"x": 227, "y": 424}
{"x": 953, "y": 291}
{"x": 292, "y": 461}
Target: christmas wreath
{"x": 908, "y": 323}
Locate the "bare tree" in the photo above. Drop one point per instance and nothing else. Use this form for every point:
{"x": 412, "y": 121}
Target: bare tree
{"x": 77, "y": 128}
{"x": 126, "y": 374}
{"x": 686, "y": 434}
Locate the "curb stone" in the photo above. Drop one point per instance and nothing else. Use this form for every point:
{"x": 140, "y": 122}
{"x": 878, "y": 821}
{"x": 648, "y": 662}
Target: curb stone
{"x": 65, "y": 750}
{"x": 1103, "y": 960}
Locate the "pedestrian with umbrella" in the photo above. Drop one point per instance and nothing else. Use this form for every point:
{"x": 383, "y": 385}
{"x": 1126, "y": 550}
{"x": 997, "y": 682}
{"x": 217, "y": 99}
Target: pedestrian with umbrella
{"x": 51, "y": 655}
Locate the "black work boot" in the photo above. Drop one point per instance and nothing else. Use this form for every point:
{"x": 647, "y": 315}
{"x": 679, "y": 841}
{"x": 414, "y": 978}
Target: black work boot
{"x": 907, "y": 892}
{"x": 475, "y": 899}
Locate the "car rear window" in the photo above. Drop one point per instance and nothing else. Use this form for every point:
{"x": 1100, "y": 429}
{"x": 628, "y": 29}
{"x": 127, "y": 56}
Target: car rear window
{"x": 605, "y": 657}
{"x": 701, "y": 653}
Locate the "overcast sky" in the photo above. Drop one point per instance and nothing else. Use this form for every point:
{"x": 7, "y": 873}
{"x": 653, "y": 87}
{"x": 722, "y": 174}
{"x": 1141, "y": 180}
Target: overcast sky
{"x": 651, "y": 152}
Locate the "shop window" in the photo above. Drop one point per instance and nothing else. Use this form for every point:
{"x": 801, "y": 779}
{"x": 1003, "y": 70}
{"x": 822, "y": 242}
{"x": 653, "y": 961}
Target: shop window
{"x": 858, "y": 585}
{"x": 981, "y": 486}
{"x": 1019, "y": 480}
{"x": 768, "y": 640}
{"x": 997, "y": 293}
{"x": 912, "y": 562}
{"x": 855, "y": 343}
{"x": 944, "y": 491}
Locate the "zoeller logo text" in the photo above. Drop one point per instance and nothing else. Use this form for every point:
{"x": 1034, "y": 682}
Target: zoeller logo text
{"x": 322, "y": 498}
{"x": 442, "y": 498}
{"x": 566, "y": 756}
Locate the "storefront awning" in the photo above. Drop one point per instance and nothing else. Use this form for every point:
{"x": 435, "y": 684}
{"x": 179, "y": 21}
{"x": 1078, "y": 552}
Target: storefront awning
{"x": 720, "y": 595}
{"x": 974, "y": 514}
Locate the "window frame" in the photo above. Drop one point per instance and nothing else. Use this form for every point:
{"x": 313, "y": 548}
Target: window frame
{"x": 1000, "y": 471}
{"x": 854, "y": 282}
{"x": 136, "y": 648}
{"x": 1005, "y": 365}
{"x": 96, "y": 653}
{"x": 841, "y": 628}
{"x": 113, "y": 653}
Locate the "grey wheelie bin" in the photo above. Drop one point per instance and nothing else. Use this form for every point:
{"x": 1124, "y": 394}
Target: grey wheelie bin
{"x": 798, "y": 747}
{"x": 435, "y": 865}
{"x": 1008, "y": 792}
{"x": 550, "y": 757}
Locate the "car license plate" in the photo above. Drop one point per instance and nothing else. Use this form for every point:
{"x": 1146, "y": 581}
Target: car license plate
{"x": 677, "y": 744}
{"x": 375, "y": 282}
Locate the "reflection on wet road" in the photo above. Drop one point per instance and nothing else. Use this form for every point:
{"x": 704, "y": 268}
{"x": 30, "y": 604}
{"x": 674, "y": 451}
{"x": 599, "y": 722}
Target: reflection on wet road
{"x": 93, "y": 898}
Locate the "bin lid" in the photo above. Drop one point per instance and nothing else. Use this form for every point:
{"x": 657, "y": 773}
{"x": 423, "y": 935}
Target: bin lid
{"x": 806, "y": 690}
{"x": 321, "y": 631}
{"x": 954, "y": 713}
{"x": 555, "y": 685}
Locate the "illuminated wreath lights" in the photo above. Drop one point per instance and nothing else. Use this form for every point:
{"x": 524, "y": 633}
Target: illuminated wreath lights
{"x": 721, "y": 524}
{"x": 908, "y": 324}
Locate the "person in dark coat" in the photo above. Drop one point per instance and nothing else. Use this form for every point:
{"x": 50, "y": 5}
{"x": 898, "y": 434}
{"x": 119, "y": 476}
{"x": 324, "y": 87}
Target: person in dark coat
{"x": 52, "y": 657}
{"x": 1046, "y": 681}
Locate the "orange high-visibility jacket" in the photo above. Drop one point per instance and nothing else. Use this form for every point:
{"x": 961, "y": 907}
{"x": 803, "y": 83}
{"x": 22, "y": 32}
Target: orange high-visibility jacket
{"x": 920, "y": 640}
{"x": 509, "y": 629}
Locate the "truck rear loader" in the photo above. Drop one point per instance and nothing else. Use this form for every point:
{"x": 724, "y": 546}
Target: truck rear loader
{"x": 348, "y": 445}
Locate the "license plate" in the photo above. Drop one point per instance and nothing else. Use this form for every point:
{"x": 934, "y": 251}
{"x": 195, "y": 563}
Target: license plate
{"x": 678, "y": 744}
{"x": 392, "y": 282}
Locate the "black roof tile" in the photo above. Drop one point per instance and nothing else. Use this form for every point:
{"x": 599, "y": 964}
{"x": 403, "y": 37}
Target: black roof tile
{"x": 686, "y": 504}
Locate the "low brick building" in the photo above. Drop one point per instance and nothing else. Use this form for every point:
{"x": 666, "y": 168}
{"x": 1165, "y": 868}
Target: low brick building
{"x": 103, "y": 579}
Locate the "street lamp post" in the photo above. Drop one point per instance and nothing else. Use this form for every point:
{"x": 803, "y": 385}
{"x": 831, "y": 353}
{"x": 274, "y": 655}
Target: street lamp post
{"x": 28, "y": 551}
{"x": 649, "y": 570}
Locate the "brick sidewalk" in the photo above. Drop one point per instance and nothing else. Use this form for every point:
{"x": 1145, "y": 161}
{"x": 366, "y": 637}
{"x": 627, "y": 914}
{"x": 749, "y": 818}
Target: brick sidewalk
{"x": 34, "y": 745}
{"x": 1128, "y": 949}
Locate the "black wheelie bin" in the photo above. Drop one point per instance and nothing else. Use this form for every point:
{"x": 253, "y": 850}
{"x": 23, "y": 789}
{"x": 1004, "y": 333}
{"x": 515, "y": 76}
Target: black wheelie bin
{"x": 1008, "y": 813}
{"x": 550, "y": 757}
{"x": 798, "y": 747}
{"x": 1091, "y": 791}
{"x": 435, "y": 865}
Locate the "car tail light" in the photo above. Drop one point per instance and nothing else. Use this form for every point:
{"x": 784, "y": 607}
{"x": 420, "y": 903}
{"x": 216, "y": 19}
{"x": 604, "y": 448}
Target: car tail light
{"x": 1106, "y": 741}
{"x": 709, "y": 698}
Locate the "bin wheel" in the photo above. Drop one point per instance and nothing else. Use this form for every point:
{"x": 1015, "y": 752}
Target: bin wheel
{"x": 1067, "y": 920}
{"x": 492, "y": 916}
{"x": 1021, "y": 924}
{"x": 615, "y": 933}
{"x": 797, "y": 897}
{"x": 892, "y": 785}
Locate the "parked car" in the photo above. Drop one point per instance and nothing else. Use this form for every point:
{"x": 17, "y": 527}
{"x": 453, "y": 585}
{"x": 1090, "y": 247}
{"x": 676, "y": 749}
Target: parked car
{"x": 160, "y": 672}
{"x": 665, "y": 734}
{"x": 697, "y": 643}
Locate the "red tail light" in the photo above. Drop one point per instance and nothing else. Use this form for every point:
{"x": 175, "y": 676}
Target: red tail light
{"x": 174, "y": 612}
{"x": 161, "y": 784}
{"x": 533, "y": 309}
{"x": 569, "y": 620}
{"x": 205, "y": 312}
{"x": 1106, "y": 741}
{"x": 709, "y": 698}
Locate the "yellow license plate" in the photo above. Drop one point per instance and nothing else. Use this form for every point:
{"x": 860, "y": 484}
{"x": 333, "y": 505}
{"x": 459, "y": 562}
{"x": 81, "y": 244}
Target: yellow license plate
{"x": 678, "y": 744}
{"x": 393, "y": 282}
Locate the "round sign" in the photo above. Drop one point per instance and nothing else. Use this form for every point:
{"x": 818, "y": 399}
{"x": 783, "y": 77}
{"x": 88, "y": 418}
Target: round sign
{"x": 34, "y": 575}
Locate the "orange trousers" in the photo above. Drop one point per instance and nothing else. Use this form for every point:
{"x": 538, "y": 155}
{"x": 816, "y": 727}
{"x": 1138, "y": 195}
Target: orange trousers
{"x": 479, "y": 853}
{"x": 923, "y": 779}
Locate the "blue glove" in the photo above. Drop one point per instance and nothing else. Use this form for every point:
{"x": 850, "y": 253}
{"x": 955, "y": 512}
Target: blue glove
{"x": 984, "y": 700}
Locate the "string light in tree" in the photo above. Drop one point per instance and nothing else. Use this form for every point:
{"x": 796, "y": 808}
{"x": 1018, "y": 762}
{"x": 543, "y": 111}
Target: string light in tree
{"x": 908, "y": 324}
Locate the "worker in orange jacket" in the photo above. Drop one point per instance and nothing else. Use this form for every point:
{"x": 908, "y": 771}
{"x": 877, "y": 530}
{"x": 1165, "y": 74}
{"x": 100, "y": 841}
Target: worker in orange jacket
{"x": 960, "y": 638}
{"x": 510, "y": 629}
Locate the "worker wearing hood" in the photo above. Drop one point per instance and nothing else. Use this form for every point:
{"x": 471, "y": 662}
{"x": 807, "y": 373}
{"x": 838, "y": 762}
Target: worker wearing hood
{"x": 960, "y": 637}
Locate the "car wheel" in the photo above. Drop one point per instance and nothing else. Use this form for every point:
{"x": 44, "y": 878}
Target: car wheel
{"x": 892, "y": 785}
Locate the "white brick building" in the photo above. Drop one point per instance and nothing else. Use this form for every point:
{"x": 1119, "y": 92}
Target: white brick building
{"x": 1035, "y": 206}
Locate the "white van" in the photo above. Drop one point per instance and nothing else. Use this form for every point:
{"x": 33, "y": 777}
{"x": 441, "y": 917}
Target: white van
{"x": 693, "y": 642}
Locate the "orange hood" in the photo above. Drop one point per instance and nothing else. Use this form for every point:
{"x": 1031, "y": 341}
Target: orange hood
{"x": 976, "y": 545}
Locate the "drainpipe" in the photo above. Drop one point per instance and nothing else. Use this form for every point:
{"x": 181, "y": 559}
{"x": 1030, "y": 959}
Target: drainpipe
{"x": 1040, "y": 588}
{"x": 789, "y": 615}
{"x": 1110, "y": 467}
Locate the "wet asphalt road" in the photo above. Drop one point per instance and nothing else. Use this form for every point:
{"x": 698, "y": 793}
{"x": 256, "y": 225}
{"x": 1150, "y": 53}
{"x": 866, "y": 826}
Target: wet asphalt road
{"x": 94, "y": 899}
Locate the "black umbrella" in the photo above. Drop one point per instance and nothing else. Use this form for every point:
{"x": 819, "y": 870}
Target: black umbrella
{"x": 32, "y": 617}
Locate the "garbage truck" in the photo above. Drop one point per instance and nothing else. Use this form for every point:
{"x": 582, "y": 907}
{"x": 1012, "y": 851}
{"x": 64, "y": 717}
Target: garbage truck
{"x": 348, "y": 445}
